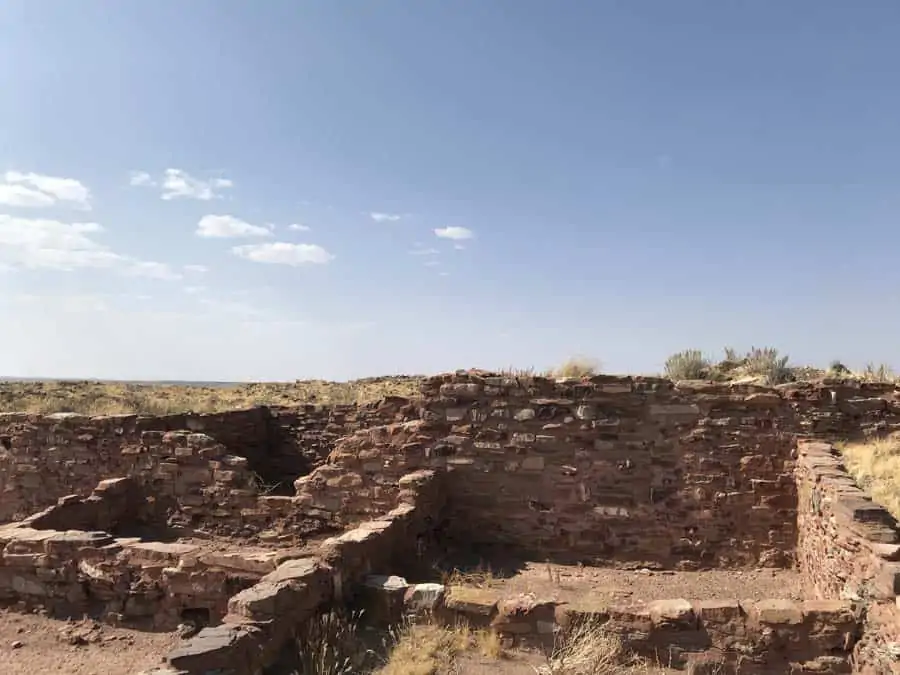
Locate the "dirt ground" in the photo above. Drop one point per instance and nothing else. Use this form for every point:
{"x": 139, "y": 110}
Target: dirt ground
{"x": 567, "y": 583}
{"x": 30, "y": 643}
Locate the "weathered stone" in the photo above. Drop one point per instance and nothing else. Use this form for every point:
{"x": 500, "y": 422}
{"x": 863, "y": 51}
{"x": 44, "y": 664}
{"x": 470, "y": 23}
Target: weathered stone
{"x": 672, "y": 612}
{"x": 424, "y": 598}
{"x": 223, "y": 650}
{"x": 777, "y": 612}
{"x": 478, "y": 602}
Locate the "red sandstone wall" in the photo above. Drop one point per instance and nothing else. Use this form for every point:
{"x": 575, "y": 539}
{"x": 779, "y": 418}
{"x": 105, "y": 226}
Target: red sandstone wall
{"x": 45, "y": 457}
{"x": 849, "y": 548}
{"x": 617, "y": 469}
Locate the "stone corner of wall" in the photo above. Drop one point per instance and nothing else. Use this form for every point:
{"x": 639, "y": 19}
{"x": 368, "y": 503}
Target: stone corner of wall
{"x": 262, "y": 617}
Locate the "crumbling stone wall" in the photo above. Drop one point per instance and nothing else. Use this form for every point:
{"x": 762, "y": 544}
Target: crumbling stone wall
{"x": 849, "y": 548}
{"x": 606, "y": 470}
{"x": 150, "y": 585}
{"x": 114, "y": 503}
{"x": 46, "y": 457}
{"x": 263, "y": 617}
{"x": 767, "y": 637}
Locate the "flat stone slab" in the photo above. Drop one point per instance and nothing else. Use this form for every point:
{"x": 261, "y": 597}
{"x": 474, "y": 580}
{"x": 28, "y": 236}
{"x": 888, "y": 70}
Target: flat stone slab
{"x": 476, "y": 601}
{"x": 260, "y": 563}
{"x": 224, "y": 649}
{"x": 157, "y": 551}
{"x": 672, "y": 612}
{"x": 306, "y": 569}
{"x": 777, "y": 612}
{"x": 423, "y": 597}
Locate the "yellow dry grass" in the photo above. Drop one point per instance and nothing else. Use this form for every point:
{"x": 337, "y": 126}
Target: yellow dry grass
{"x": 111, "y": 398}
{"x": 586, "y": 648}
{"x": 432, "y": 649}
{"x": 578, "y": 366}
{"x": 875, "y": 465}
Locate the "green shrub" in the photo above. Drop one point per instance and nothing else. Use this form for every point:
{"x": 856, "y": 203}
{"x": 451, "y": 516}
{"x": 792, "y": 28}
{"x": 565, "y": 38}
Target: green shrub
{"x": 766, "y": 363}
{"x": 687, "y": 365}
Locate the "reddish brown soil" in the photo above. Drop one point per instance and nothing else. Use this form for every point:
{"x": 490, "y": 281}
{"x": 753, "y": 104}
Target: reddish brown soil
{"x": 567, "y": 583}
{"x": 31, "y": 644}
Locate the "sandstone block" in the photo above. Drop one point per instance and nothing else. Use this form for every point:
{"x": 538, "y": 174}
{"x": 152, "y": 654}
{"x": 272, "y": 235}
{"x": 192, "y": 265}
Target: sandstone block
{"x": 225, "y": 650}
{"x": 677, "y": 411}
{"x": 477, "y": 603}
{"x": 423, "y": 598}
{"x": 521, "y": 613}
{"x": 886, "y": 583}
{"x": 886, "y": 551}
{"x": 587, "y": 609}
{"x": 383, "y": 597}
{"x": 676, "y": 612}
{"x": 777, "y": 612}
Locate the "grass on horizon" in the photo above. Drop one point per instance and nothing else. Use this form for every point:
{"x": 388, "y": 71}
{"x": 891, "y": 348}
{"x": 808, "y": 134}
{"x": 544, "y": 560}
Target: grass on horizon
{"x": 759, "y": 365}
{"x": 113, "y": 398}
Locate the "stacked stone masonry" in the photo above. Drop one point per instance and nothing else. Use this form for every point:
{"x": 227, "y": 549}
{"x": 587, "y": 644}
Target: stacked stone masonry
{"x": 849, "y": 548}
{"x": 607, "y": 470}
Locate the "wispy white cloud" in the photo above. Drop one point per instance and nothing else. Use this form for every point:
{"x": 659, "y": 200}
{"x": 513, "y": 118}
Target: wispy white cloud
{"x": 284, "y": 253}
{"x": 380, "y": 217}
{"x": 196, "y": 269}
{"x": 459, "y": 247}
{"x": 424, "y": 251}
{"x": 37, "y": 243}
{"x": 194, "y": 290}
{"x": 454, "y": 232}
{"x": 298, "y": 227}
{"x": 67, "y": 303}
{"x": 151, "y": 270}
{"x": 36, "y": 190}
{"x": 141, "y": 179}
{"x": 229, "y": 227}
{"x": 179, "y": 184}
{"x": 431, "y": 263}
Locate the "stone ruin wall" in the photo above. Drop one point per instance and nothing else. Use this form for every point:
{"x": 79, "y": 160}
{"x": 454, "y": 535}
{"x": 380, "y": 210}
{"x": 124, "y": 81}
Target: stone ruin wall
{"x": 614, "y": 469}
{"x": 46, "y": 457}
{"x": 849, "y": 549}
{"x": 606, "y": 470}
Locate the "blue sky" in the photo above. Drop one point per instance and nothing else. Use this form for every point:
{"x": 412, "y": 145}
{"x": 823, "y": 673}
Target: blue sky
{"x": 619, "y": 180}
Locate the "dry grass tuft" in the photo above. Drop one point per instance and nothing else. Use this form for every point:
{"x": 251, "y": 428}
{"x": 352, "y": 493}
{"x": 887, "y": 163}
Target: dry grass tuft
{"x": 480, "y": 577}
{"x": 875, "y": 465}
{"x": 578, "y": 366}
{"x": 688, "y": 365}
{"x": 329, "y": 644}
{"x": 766, "y": 364}
{"x": 877, "y": 373}
{"x": 431, "y": 649}
{"x": 587, "y": 649}
{"x": 762, "y": 365}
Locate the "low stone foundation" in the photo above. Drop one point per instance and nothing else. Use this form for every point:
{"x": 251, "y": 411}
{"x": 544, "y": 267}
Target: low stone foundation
{"x": 149, "y": 585}
{"x": 767, "y": 637}
{"x": 263, "y": 618}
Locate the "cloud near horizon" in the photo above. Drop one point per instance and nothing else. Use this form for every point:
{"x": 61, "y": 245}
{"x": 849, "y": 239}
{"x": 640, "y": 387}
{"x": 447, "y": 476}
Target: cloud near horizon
{"x": 38, "y": 243}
